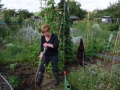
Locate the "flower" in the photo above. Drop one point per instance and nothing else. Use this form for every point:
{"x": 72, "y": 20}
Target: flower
{"x": 82, "y": 76}
{"x": 78, "y": 79}
{"x": 85, "y": 84}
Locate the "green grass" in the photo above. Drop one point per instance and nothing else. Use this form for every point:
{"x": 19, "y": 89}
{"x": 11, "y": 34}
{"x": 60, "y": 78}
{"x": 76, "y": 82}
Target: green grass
{"x": 15, "y": 53}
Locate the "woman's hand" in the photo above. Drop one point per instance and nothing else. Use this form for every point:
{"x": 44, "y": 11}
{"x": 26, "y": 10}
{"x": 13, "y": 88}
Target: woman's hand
{"x": 46, "y": 44}
{"x": 40, "y": 56}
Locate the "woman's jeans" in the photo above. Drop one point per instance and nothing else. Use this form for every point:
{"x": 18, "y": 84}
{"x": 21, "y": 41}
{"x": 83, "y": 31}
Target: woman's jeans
{"x": 45, "y": 62}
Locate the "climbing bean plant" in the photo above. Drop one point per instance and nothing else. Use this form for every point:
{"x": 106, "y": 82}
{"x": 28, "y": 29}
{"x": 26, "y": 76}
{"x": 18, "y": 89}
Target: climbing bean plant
{"x": 59, "y": 21}
{"x": 50, "y": 16}
{"x": 66, "y": 43}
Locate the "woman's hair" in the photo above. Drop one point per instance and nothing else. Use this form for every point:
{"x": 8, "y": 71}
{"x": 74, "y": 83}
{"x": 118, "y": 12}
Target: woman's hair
{"x": 45, "y": 28}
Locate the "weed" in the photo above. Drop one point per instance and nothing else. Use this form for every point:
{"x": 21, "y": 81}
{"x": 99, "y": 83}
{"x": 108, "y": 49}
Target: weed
{"x": 14, "y": 80}
{"x": 13, "y": 66}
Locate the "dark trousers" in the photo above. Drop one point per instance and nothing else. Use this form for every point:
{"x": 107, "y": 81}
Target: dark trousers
{"x": 45, "y": 62}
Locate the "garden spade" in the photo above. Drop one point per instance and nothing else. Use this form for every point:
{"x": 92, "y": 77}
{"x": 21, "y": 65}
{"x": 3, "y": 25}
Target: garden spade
{"x": 37, "y": 73}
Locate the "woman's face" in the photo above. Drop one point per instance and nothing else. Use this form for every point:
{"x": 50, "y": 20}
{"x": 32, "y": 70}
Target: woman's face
{"x": 46, "y": 34}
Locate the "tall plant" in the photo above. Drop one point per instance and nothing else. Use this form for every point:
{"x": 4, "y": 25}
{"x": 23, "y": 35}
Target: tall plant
{"x": 66, "y": 43}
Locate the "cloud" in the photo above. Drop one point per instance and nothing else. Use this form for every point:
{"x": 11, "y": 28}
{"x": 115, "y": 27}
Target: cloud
{"x": 90, "y": 5}
{"x": 33, "y": 5}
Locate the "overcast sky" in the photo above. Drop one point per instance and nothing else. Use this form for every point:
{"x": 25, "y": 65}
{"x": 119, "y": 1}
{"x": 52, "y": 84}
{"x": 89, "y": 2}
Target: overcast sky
{"x": 33, "y": 5}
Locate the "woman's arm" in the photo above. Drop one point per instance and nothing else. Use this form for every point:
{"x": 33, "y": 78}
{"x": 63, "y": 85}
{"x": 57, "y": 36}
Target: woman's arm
{"x": 41, "y": 49}
{"x": 41, "y": 54}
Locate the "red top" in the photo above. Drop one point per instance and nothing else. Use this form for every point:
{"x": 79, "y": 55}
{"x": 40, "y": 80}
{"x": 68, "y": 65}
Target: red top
{"x": 65, "y": 72}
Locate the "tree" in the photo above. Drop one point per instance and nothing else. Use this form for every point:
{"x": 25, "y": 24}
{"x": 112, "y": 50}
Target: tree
{"x": 74, "y": 8}
{"x": 8, "y": 13}
{"x": 1, "y": 5}
{"x": 1, "y": 12}
{"x": 23, "y": 14}
{"x": 113, "y": 7}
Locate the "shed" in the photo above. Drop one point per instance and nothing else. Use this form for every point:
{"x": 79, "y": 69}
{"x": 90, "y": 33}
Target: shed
{"x": 74, "y": 18}
{"x": 106, "y": 19}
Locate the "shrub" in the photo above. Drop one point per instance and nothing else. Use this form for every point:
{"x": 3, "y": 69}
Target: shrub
{"x": 113, "y": 26}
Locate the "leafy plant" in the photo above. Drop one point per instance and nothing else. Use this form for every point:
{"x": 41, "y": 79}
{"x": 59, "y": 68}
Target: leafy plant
{"x": 113, "y": 26}
{"x": 13, "y": 66}
{"x": 32, "y": 51}
{"x": 92, "y": 77}
{"x": 65, "y": 38}
{"x": 108, "y": 47}
{"x": 14, "y": 80}
{"x": 116, "y": 70}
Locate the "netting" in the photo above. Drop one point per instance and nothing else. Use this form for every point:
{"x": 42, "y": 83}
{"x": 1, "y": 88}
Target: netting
{"x": 29, "y": 34}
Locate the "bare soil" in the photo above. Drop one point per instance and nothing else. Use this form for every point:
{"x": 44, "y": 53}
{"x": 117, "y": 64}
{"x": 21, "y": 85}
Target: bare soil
{"x": 27, "y": 72}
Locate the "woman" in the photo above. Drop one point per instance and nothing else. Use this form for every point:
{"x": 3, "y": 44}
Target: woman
{"x": 50, "y": 41}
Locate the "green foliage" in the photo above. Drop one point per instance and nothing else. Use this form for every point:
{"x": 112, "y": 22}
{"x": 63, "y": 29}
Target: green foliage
{"x": 22, "y": 15}
{"x": 113, "y": 26}
{"x": 31, "y": 52}
{"x": 89, "y": 53}
{"x": 14, "y": 80}
{"x": 116, "y": 69}
{"x": 51, "y": 18}
{"x": 15, "y": 53}
{"x": 61, "y": 63}
{"x": 14, "y": 50}
{"x": 98, "y": 38}
{"x": 98, "y": 45}
{"x": 65, "y": 38}
{"x": 1, "y": 16}
{"x": 1, "y": 58}
{"x": 74, "y": 8}
{"x": 92, "y": 78}
{"x": 14, "y": 20}
{"x": 81, "y": 27}
{"x": 108, "y": 47}
{"x": 108, "y": 12}
{"x": 13, "y": 66}
{"x": 11, "y": 54}
{"x": 4, "y": 32}
{"x": 1, "y": 5}
{"x": 7, "y": 16}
